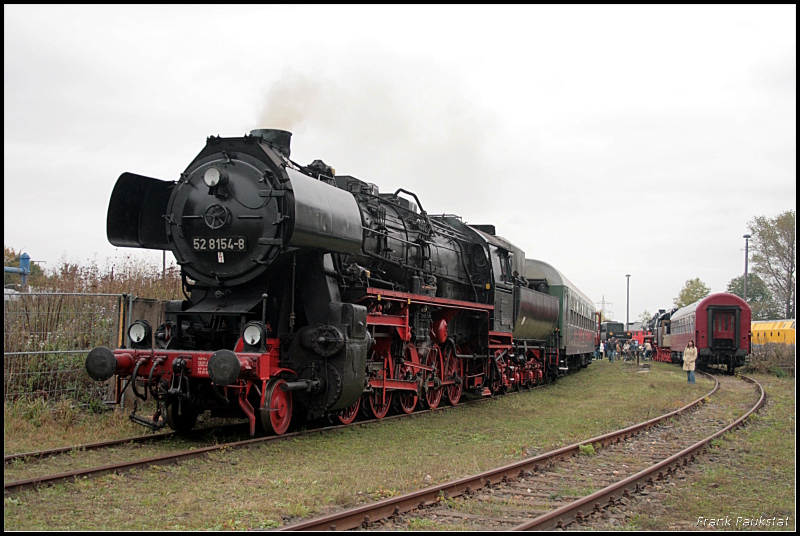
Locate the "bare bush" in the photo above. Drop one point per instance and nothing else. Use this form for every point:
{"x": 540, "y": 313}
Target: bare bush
{"x": 773, "y": 358}
{"x": 128, "y": 274}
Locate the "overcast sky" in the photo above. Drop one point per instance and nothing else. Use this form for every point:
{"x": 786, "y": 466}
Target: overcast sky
{"x": 604, "y": 140}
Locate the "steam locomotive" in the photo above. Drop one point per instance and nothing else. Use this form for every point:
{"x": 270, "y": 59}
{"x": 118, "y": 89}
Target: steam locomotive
{"x": 309, "y": 294}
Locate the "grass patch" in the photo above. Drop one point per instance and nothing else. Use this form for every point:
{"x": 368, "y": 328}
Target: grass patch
{"x": 421, "y": 524}
{"x": 38, "y": 424}
{"x": 747, "y": 474}
{"x": 257, "y": 487}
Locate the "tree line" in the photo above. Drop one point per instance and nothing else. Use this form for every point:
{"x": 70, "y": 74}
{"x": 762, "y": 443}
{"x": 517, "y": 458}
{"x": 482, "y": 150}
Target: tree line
{"x": 772, "y": 284}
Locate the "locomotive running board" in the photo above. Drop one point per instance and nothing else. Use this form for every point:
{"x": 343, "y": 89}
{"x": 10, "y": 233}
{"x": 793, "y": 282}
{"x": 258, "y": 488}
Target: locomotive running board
{"x": 378, "y": 293}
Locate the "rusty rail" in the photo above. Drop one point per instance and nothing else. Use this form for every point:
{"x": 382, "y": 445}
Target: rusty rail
{"x": 566, "y": 514}
{"x": 41, "y": 454}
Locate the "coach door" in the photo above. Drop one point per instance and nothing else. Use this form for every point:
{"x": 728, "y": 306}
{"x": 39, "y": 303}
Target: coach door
{"x": 724, "y": 327}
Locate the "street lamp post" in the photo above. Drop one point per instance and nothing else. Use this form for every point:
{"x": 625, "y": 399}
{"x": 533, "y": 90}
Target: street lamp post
{"x": 628, "y": 308}
{"x": 746, "y": 256}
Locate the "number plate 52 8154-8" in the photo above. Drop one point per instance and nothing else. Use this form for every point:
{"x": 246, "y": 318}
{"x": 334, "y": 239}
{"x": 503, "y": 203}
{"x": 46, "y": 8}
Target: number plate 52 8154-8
{"x": 223, "y": 243}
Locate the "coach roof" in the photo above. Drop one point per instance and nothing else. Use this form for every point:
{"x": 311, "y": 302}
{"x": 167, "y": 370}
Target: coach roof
{"x": 536, "y": 269}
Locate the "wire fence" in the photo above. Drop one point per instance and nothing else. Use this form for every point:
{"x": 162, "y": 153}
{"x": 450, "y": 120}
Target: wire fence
{"x": 46, "y": 339}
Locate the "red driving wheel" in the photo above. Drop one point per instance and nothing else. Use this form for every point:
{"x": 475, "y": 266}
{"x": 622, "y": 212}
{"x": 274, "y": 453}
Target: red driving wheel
{"x": 453, "y": 370}
{"x": 348, "y": 415}
{"x": 279, "y": 408}
{"x": 433, "y": 396}
{"x": 378, "y": 403}
{"x": 406, "y": 399}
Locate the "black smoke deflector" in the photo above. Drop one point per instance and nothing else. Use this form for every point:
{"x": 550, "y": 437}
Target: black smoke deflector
{"x": 136, "y": 212}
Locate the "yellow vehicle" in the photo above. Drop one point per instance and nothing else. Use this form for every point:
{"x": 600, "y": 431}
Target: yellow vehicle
{"x": 776, "y": 331}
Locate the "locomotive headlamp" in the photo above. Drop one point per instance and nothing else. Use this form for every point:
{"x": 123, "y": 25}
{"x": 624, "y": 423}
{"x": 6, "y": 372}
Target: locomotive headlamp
{"x": 214, "y": 177}
{"x": 140, "y": 334}
{"x": 253, "y": 335}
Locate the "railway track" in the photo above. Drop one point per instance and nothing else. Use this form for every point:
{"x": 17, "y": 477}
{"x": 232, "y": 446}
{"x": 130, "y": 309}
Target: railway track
{"x": 42, "y": 454}
{"x": 147, "y": 438}
{"x": 571, "y": 487}
{"x": 38, "y": 472}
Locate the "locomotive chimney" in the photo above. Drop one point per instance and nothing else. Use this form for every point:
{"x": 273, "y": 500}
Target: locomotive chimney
{"x": 280, "y": 139}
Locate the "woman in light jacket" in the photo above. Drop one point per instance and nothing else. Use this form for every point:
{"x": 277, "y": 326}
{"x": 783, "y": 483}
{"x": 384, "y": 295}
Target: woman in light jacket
{"x": 689, "y": 357}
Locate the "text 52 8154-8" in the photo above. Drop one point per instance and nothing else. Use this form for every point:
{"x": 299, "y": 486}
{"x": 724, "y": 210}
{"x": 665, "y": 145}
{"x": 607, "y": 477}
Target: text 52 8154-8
{"x": 226, "y": 243}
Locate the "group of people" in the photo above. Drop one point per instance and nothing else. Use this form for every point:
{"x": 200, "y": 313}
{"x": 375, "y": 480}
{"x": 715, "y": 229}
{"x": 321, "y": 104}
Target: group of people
{"x": 614, "y": 348}
{"x": 626, "y": 350}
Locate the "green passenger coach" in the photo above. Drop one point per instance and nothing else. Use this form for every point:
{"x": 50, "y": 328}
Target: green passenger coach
{"x": 576, "y": 319}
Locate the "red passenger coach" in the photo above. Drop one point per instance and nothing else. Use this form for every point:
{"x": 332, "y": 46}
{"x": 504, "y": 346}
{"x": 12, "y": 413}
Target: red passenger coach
{"x": 719, "y": 325}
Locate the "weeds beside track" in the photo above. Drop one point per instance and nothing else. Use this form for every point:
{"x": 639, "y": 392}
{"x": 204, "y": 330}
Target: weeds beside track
{"x": 271, "y": 484}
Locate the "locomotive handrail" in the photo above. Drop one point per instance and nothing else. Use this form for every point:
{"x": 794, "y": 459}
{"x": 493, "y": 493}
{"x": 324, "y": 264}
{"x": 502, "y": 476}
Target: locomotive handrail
{"x": 410, "y": 243}
{"x": 422, "y": 210}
